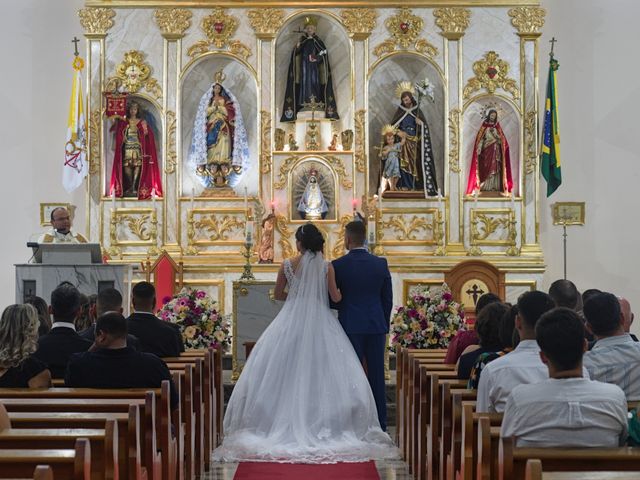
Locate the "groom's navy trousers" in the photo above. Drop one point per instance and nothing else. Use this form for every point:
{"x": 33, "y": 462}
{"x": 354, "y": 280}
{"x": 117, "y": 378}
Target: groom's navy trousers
{"x": 364, "y": 311}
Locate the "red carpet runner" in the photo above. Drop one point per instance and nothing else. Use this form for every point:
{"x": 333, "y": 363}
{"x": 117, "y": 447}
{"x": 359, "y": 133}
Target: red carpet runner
{"x": 299, "y": 471}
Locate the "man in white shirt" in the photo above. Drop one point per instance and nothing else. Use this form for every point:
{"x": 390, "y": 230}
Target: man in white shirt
{"x": 565, "y": 410}
{"x": 523, "y": 365}
{"x": 61, "y": 233}
{"x": 615, "y": 357}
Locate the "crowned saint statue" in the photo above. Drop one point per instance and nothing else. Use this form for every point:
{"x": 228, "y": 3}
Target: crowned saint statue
{"x": 309, "y": 77}
{"x": 312, "y": 204}
{"x": 219, "y": 147}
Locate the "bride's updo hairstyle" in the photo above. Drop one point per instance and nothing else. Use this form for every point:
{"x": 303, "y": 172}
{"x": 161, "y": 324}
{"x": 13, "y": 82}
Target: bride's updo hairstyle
{"x": 310, "y": 237}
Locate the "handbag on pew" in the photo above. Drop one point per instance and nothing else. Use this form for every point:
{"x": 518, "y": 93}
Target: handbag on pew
{"x": 633, "y": 440}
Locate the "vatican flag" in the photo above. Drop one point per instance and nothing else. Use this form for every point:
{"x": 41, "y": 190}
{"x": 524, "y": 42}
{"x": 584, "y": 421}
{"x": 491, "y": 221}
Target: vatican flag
{"x": 75, "y": 150}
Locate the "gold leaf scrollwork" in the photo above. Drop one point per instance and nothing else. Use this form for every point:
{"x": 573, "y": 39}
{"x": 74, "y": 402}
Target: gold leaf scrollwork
{"x": 218, "y": 228}
{"x": 454, "y": 140}
{"x": 404, "y": 27}
{"x": 265, "y": 141}
{"x": 240, "y": 49}
{"x": 385, "y": 47}
{"x": 359, "y": 22}
{"x": 427, "y": 48}
{"x": 94, "y": 144}
{"x": 173, "y": 22}
{"x": 133, "y": 73}
{"x": 453, "y": 21}
{"x": 138, "y": 226}
{"x": 407, "y": 228}
{"x": 336, "y": 164}
{"x": 527, "y": 20}
{"x": 219, "y": 27}
{"x": 96, "y": 21}
{"x": 266, "y": 21}
{"x": 488, "y": 225}
{"x": 338, "y": 248}
{"x": 531, "y": 159}
{"x": 198, "y": 48}
{"x": 282, "y": 226}
{"x": 491, "y": 72}
{"x": 360, "y": 155}
{"x": 172, "y": 156}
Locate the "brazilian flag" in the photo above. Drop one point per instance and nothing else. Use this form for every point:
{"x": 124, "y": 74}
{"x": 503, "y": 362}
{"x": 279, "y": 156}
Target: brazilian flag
{"x": 550, "y": 158}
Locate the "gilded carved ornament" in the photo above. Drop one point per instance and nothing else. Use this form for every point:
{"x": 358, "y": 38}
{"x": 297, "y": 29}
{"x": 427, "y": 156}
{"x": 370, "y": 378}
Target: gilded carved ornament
{"x": 266, "y": 21}
{"x": 282, "y": 226}
{"x": 527, "y": 20}
{"x": 219, "y": 28}
{"x": 385, "y": 47}
{"x": 141, "y": 224}
{"x": 406, "y": 228}
{"x": 425, "y": 47}
{"x": 172, "y": 156}
{"x": 453, "y": 21}
{"x": 488, "y": 225}
{"x": 360, "y": 154}
{"x": 94, "y": 141}
{"x": 359, "y": 21}
{"x": 336, "y": 164}
{"x": 491, "y": 72}
{"x": 132, "y": 74}
{"x": 96, "y": 21}
{"x": 404, "y": 27}
{"x": 531, "y": 157}
{"x": 173, "y": 22}
{"x": 218, "y": 227}
{"x": 454, "y": 140}
{"x": 265, "y": 141}
{"x": 239, "y": 49}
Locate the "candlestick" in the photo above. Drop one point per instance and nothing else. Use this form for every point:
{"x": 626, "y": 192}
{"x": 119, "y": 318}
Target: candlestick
{"x": 153, "y": 199}
{"x": 475, "y": 199}
{"x": 513, "y": 202}
{"x": 371, "y": 230}
{"x": 113, "y": 199}
{"x": 248, "y": 232}
{"x": 379, "y": 202}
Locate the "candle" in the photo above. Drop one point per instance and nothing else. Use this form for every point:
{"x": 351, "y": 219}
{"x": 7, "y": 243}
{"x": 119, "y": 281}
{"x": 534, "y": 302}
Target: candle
{"x": 249, "y": 231}
{"x": 371, "y": 229}
{"x": 513, "y": 202}
{"x": 193, "y": 194}
{"x": 113, "y": 199}
{"x": 246, "y": 200}
{"x": 439, "y": 198}
{"x": 273, "y": 206}
{"x": 379, "y": 202}
{"x": 475, "y": 201}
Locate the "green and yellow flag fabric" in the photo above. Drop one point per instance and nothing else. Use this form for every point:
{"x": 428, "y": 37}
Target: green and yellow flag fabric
{"x": 550, "y": 157}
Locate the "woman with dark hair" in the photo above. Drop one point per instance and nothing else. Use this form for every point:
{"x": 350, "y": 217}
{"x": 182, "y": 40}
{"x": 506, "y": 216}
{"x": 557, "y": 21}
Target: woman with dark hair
{"x": 18, "y": 340}
{"x": 43, "y": 313}
{"x": 488, "y": 329}
{"x": 303, "y": 395}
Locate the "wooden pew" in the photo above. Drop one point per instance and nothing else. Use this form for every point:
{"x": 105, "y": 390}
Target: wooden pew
{"x": 43, "y": 472}
{"x": 66, "y": 464}
{"x": 129, "y": 432}
{"x": 103, "y": 442}
{"x": 152, "y": 459}
{"x": 512, "y": 461}
{"x": 488, "y": 443}
{"x": 534, "y": 471}
{"x": 451, "y": 426}
{"x": 179, "y": 428}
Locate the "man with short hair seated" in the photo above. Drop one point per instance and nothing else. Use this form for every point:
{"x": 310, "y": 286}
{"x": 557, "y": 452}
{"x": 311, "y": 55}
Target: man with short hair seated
{"x": 154, "y": 335}
{"x": 565, "y": 294}
{"x": 112, "y": 364}
{"x": 55, "y": 348}
{"x": 567, "y": 409}
{"x": 107, "y": 300}
{"x": 523, "y": 364}
{"x": 615, "y": 357}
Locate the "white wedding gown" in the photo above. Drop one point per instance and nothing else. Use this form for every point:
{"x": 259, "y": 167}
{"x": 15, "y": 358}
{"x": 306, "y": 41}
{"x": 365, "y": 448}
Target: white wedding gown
{"x": 303, "y": 396}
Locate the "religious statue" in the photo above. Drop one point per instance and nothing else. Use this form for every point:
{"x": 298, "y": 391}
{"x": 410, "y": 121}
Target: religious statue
{"x": 278, "y": 139}
{"x": 309, "y": 77}
{"x": 219, "y": 148}
{"x": 490, "y": 163}
{"x": 417, "y": 168}
{"x": 293, "y": 145}
{"x": 347, "y": 139}
{"x": 333, "y": 146}
{"x": 390, "y": 156}
{"x": 265, "y": 249}
{"x": 312, "y": 205}
{"x": 135, "y": 171}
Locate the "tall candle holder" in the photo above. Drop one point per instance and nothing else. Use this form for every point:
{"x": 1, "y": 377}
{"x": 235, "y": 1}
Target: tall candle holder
{"x": 439, "y": 233}
{"x": 378, "y": 250}
{"x": 247, "y": 274}
{"x": 474, "y": 251}
{"x": 513, "y": 249}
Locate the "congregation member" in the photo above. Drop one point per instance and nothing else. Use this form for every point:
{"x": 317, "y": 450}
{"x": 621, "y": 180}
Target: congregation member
{"x": 107, "y": 300}
{"x": 43, "y": 313}
{"x": 154, "y": 335}
{"x": 565, "y": 294}
{"x": 488, "y": 328}
{"x": 615, "y": 357}
{"x": 627, "y": 314}
{"x": 523, "y": 364}
{"x": 112, "y": 364}
{"x": 567, "y": 409}
{"x": 466, "y": 338}
{"x": 5, "y": 423}
{"x": 55, "y": 348}
{"x": 61, "y": 229}
{"x": 83, "y": 319}
{"x": 18, "y": 340}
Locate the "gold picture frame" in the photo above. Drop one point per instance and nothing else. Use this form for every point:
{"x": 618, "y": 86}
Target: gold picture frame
{"x": 48, "y": 207}
{"x": 568, "y": 213}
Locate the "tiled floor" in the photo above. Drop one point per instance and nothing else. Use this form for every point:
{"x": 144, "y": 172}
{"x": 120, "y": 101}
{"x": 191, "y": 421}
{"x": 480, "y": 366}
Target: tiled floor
{"x": 388, "y": 470}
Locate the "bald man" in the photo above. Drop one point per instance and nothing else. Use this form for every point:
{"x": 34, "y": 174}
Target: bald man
{"x": 627, "y": 316}
{"x": 61, "y": 229}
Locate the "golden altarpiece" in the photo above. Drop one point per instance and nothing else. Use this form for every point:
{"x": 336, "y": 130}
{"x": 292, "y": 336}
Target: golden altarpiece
{"x": 477, "y": 57}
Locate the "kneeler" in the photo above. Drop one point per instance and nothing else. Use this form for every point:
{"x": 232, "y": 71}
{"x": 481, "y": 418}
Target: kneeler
{"x": 165, "y": 272}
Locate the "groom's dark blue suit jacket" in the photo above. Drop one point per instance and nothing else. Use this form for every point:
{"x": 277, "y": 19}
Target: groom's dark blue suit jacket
{"x": 365, "y": 283}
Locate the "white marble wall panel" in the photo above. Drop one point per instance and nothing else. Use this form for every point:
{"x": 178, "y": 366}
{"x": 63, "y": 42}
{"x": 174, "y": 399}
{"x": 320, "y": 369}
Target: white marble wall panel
{"x": 172, "y": 83}
{"x": 529, "y": 76}
{"x": 491, "y": 29}
{"x": 336, "y": 39}
{"x": 383, "y": 104}
{"x": 242, "y": 83}
{"x": 265, "y": 75}
{"x": 509, "y": 119}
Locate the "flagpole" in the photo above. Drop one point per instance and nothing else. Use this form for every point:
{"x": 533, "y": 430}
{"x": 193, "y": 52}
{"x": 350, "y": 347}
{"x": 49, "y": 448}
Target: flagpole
{"x": 564, "y": 241}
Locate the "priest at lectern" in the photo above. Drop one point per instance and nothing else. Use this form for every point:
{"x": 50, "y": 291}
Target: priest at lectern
{"x": 61, "y": 229}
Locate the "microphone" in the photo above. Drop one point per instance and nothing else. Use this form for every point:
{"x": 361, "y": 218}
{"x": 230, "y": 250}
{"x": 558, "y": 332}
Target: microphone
{"x": 33, "y": 244}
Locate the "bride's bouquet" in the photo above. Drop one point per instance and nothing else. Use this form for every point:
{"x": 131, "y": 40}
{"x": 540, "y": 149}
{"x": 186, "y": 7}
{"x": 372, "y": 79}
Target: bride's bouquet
{"x": 200, "y": 323}
{"x": 430, "y": 319}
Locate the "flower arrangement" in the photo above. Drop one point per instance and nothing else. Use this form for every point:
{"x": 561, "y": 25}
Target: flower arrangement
{"x": 425, "y": 89}
{"x": 430, "y": 319}
{"x": 200, "y": 323}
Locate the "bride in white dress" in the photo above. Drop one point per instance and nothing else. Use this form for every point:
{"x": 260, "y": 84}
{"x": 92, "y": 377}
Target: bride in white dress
{"x": 303, "y": 396}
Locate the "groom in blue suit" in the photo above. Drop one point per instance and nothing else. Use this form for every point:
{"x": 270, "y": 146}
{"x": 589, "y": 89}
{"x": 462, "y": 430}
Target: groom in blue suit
{"x": 364, "y": 311}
